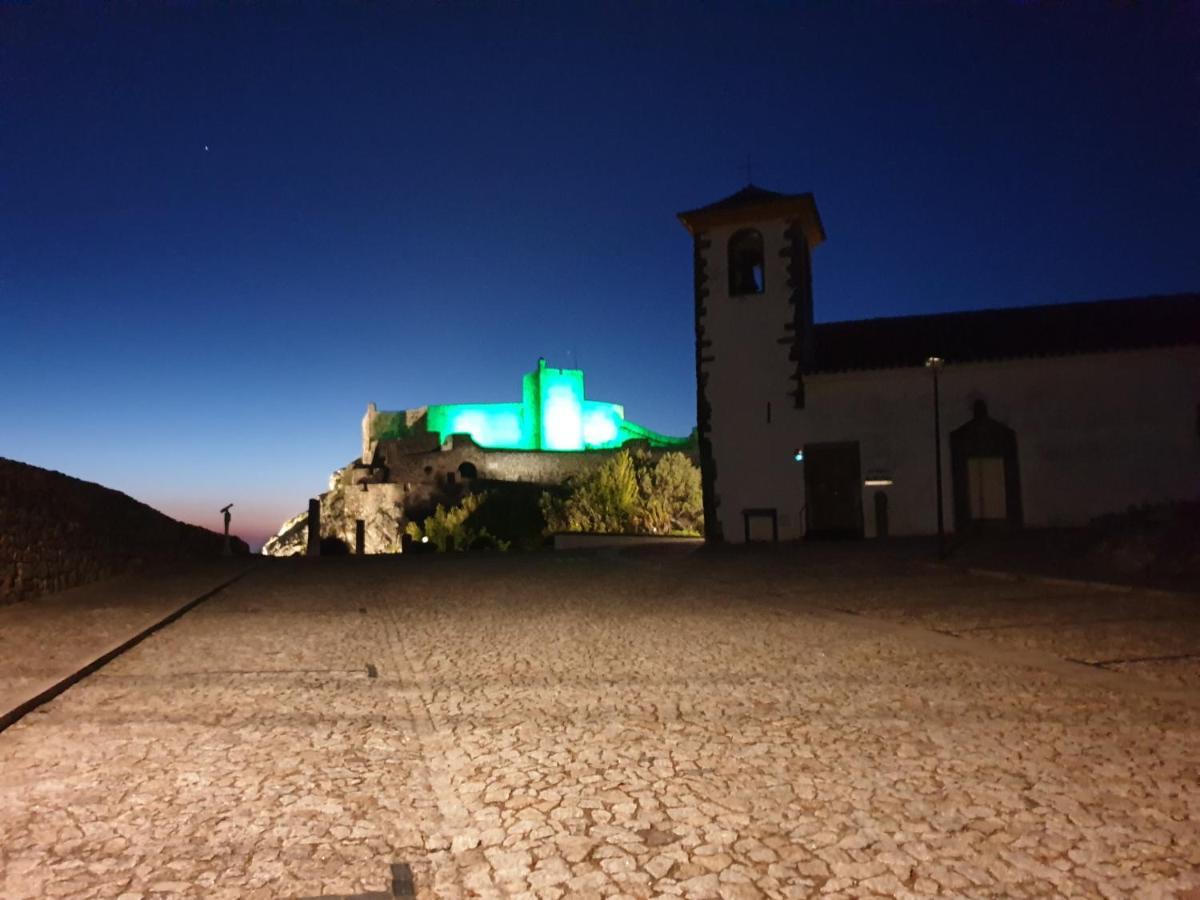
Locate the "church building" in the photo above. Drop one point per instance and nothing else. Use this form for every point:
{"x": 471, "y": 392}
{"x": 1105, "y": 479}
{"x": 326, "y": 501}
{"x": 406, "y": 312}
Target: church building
{"x": 1024, "y": 417}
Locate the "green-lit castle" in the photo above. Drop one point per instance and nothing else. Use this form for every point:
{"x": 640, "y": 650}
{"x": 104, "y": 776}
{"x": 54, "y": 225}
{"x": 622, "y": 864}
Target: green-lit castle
{"x": 554, "y": 415}
{"x": 416, "y": 458}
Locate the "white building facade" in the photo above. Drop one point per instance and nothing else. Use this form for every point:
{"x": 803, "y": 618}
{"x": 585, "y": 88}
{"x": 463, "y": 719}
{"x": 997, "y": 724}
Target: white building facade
{"x": 1049, "y": 416}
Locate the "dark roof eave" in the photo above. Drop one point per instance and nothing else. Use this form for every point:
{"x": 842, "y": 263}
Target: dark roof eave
{"x": 1031, "y": 332}
{"x": 1013, "y": 357}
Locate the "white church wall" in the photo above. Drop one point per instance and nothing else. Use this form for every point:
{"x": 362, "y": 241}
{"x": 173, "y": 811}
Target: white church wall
{"x": 1095, "y": 433}
{"x": 890, "y": 414}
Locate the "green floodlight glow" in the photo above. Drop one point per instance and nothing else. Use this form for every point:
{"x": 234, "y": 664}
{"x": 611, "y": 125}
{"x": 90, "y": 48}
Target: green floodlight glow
{"x": 562, "y": 419}
{"x": 489, "y": 427}
{"x": 599, "y": 428}
{"x": 553, "y": 415}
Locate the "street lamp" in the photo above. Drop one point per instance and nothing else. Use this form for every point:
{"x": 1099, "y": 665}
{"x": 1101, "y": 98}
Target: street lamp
{"x": 935, "y": 364}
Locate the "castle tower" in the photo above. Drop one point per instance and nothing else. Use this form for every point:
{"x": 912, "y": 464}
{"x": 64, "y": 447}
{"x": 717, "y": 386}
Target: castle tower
{"x": 753, "y": 304}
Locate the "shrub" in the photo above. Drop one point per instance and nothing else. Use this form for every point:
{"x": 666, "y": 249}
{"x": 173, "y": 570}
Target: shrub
{"x": 672, "y": 499}
{"x": 451, "y": 529}
{"x": 631, "y": 493}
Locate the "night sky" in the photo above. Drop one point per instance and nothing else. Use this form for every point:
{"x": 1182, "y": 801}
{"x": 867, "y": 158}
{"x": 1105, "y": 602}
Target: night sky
{"x": 224, "y": 231}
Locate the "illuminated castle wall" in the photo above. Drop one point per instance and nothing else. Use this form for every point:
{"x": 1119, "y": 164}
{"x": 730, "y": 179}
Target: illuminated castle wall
{"x": 554, "y": 415}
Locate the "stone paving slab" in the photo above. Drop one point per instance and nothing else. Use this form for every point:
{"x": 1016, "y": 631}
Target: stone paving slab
{"x": 1149, "y": 633}
{"x": 595, "y": 727}
{"x": 1182, "y": 674}
{"x": 1102, "y": 641}
{"x": 44, "y": 641}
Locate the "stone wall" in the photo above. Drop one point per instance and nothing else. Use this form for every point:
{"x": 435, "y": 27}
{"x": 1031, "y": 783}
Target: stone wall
{"x": 57, "y": 532}
{"x": 446, "y": 462}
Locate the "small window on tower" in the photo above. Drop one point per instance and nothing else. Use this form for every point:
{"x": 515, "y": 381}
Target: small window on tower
{"x": 746, "y": 263}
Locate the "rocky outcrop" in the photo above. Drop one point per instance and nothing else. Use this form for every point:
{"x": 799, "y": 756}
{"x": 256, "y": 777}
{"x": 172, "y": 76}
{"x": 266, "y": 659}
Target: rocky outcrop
{"x": 292, "y": 539}
{"x": 57, "y": 532}
{"x": 356, "y": 493}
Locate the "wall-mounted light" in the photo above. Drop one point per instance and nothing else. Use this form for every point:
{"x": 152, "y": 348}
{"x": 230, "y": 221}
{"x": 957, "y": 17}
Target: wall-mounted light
{"x": 798, "y": 455}
{"x": 878, "y": 482}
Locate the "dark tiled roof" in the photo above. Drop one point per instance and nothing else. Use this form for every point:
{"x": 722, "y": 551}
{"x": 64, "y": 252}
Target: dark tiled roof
{"x": 750, "y": 195}
{"x": 1057, "y": 330}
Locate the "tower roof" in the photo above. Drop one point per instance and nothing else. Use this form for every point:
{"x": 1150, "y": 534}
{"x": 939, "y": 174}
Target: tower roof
{"x": 753, "y": 203}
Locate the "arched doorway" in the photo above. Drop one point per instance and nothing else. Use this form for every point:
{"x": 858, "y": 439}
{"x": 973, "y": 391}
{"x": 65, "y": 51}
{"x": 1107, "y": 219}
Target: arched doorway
{"x": 986, "y": 474}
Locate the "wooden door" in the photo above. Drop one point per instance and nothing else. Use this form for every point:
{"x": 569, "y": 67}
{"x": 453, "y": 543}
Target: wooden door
{"x": 833, "y": 490}
{"x": 986, "y": 488}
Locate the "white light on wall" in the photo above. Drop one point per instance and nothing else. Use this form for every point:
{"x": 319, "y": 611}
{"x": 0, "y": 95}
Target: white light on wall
{"x": 599, "y": 427}
{"x": 562, "y": 422}
{"x": 878, "y": 482}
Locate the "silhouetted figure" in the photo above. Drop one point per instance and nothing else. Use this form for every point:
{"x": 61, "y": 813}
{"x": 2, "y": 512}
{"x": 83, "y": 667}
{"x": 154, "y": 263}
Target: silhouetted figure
{"x": 226, "y": 550}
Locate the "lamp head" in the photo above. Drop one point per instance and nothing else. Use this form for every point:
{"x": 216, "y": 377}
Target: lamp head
{"x": 935, "y": 362}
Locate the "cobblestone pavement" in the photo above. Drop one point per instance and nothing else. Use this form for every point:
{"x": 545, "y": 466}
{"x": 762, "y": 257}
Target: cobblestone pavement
{"x": 634, "y": 726}
{"x": 43, "y": 641}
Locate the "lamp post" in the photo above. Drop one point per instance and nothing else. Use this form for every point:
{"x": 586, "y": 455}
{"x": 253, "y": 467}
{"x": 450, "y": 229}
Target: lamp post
{"x": 935, "y": 364}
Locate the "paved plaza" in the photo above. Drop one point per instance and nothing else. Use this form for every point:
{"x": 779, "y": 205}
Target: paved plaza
{"x": 816, "y": 722}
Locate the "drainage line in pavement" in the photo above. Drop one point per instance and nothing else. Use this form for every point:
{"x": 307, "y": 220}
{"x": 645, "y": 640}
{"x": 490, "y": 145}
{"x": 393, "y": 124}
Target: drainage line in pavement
{"x": 15, "y": 715}
{"x": 1123, "y": 620}
{"x": 201, "y": 672}
{"x": 1138, "y": 659}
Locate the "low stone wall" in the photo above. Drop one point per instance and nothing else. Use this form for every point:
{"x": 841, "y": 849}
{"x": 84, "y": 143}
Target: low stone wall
{"x": 57, "y": 532}
{"x": 580, "y": 540}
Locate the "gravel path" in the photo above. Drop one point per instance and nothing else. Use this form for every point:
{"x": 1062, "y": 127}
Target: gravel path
{"x": 713, "y": 725}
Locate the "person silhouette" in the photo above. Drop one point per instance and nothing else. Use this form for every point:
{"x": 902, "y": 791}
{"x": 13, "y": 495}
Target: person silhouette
{"x": 226, "y": 549}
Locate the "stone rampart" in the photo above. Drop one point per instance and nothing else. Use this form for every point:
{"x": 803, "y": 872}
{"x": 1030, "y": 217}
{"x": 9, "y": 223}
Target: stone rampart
{"x": 57, "y": 532}
{"x": 537, "y": 466}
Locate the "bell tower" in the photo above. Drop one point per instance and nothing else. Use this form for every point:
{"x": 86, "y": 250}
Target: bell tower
{"x": 753, "y": 306}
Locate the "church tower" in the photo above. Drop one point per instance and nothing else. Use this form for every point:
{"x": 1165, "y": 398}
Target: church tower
{"x": 753, "y": 305}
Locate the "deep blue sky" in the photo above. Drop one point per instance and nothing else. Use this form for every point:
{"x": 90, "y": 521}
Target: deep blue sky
{"x": 409, "y": 203}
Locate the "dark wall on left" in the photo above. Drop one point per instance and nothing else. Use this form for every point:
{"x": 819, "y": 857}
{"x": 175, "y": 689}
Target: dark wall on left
{"x": 57, "y": 532}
